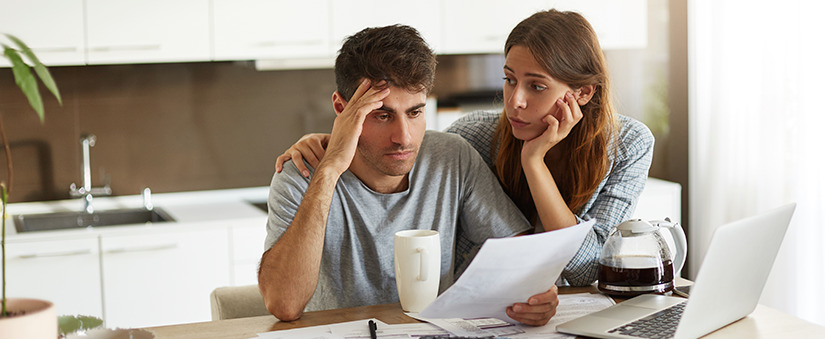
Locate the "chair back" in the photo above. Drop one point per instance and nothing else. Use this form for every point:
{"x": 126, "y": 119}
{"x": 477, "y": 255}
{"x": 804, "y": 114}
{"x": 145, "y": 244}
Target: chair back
{"x": 237, "y": 302}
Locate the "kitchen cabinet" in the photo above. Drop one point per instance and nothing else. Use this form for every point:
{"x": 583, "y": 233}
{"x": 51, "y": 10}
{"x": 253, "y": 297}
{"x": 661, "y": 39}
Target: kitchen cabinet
{"x": 352, "y": 16}
{"x": 473, "y": 26}
{"x": 52, "y": 29}
{"x": 139, "y": 31}
{"x": 659, "y": 200}
{"x": 141, "y": 275}
{"x": 162, "y": 277}
{"x": 618, "y": 24}
{"x": 482, "y": 26}
{"x": 63, "y": 271}
{"x": 309, "y": 32}
{"x": 247, "y": 243}
{"x": 261, "y": 29}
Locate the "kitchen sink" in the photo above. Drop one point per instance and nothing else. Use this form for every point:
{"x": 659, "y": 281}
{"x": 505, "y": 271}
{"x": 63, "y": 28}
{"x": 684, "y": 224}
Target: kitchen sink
{"x": 260, "y": 205}
{"x": 68, "y": 220}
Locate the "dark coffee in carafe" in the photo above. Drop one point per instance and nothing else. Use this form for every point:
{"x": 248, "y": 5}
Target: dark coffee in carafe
{"x": 631, "y": 276}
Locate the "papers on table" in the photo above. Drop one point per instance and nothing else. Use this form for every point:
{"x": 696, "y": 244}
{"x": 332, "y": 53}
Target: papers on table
{"x": 570, "y": 306}
{"x": 506, "y": 271}
{"x": 356, "y": 329}
{"x": 339, "y": 330}
{"x": 479, "y": 327}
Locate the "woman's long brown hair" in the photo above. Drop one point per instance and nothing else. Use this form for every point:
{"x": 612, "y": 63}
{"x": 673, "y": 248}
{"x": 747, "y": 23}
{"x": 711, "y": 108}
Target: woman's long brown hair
{"x": 566, "y": 46}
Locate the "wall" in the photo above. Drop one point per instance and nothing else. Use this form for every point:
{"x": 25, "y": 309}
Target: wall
{"x": 675, "y": 166}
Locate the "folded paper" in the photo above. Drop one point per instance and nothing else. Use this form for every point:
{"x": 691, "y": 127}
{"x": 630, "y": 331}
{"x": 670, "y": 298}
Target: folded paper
{"x": 506, "y": 271}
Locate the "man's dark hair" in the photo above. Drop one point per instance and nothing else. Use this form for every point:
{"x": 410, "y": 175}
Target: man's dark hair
{"x": 394, "y": 53}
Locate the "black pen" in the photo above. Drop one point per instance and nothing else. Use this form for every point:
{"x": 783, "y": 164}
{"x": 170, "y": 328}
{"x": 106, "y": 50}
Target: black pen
{"x": 373, "y": 327}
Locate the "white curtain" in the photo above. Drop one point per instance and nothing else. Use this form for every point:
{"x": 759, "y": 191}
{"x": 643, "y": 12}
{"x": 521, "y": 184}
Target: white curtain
{"x": 757, "y": 134}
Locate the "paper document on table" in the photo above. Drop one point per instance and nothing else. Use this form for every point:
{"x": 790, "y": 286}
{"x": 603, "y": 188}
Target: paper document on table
{"x": 345, "y": 330}
{"x": 357, "y": 330}
{"x": 571, "y": 306}
{"x": 472, "y": 328}
{"x": 506, "y": 271}
{"x": 414, "y": 330}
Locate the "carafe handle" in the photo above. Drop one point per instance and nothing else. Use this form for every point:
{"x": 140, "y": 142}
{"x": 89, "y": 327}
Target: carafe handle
{"x": 680, "y": 240}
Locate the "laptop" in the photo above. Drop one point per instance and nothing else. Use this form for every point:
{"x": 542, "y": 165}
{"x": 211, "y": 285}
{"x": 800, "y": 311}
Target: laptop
{"x": 726, "y": 289}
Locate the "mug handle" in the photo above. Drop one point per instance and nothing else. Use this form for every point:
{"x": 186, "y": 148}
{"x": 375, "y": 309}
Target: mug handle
{"x": 423, "y": 268}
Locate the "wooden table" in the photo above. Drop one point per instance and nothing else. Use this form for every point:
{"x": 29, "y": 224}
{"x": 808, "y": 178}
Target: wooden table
{"x": 764, "y": 322}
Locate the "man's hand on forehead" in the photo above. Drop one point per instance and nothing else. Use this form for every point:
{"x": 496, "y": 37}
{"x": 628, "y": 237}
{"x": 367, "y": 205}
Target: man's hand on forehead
{"x": 377, "y": 84}
{"x": 348, "y": 125}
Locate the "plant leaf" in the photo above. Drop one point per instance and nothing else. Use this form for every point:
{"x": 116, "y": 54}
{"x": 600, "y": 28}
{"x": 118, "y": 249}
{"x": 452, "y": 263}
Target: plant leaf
{"x": 71, "y": 324}
{"x": 25, "y": 80}
{"x": 39, "y": 68}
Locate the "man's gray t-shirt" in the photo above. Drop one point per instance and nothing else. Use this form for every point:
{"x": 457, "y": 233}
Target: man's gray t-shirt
{"x": 450, "y": 186}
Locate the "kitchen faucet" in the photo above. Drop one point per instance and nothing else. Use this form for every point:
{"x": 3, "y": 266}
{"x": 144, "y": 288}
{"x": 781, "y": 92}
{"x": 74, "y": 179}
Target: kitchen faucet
{"x": 87, "y": 141}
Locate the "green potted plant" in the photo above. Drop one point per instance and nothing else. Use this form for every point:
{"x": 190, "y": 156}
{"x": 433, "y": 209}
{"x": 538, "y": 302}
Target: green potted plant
{"x": 24, "y": 318}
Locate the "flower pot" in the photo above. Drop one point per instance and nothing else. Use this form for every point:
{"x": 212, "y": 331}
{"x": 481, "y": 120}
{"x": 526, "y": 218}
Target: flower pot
{"x": 38, "y": 321}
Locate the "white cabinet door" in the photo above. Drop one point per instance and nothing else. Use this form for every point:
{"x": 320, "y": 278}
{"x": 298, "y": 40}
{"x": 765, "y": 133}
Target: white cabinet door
{"x": 263, "y": 29}
{"x": 53, "y": 29}
{"x": 65, "y": 272}
{"x": 482, "y": 26}
{"x": 618, "y": 24}
{"x": 137, "y": 31}
{"x": 349, "y": 17}
{"x": 247, "y": 248}
{"x": 162, "y": 278}
{"x": 660, "y": 199}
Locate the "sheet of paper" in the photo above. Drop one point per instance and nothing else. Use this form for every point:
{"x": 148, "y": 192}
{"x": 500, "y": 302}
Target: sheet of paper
{"x": 415, "y": 330}
{"x": 571, "y": 306}
{"x": 345, "y": 330}
{"x": 360, "y": 330}
{"x": 506, "y": 271}
{"x": 315, "y": 332}
{"x": 478, "y": 327}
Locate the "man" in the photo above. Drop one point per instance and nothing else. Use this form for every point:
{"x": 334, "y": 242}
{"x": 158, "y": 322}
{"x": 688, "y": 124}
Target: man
{"x": 330, "y": 238}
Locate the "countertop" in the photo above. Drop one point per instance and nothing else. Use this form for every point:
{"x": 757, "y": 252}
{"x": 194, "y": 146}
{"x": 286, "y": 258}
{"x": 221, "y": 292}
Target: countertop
{"x": 219, "y": 207}
{"x": 188, "y": 209}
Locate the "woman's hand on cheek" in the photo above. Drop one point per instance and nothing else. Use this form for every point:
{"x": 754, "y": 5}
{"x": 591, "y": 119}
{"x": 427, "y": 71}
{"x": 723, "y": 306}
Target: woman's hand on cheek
{"x": 560, "y": 121}
{"x": 571, "y": 112}
{"x": 535, "y": 149}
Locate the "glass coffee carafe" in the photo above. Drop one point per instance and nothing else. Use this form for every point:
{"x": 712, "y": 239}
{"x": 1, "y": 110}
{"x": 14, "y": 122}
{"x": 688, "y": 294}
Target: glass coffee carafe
{"x": 636, "y": 259}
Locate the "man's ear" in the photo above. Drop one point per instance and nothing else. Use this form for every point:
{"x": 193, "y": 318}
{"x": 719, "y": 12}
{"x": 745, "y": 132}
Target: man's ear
{"x": 584, "y": 94}
{"x": 338, "y": 102}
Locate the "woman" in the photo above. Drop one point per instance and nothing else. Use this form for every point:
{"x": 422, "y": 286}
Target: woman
{"x": 559, "y": 149}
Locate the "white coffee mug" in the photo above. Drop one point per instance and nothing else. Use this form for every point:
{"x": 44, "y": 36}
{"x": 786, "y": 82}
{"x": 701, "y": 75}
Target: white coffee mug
{"x": 417, "y": 268}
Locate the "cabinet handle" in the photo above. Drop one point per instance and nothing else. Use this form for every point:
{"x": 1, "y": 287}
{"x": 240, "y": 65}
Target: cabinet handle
{"x": 54, "y": 254}
{"x": 125, "y": 48}
{"x": 275, "y": 43}
{"x": 142, "y": 248}
{"x": 493, "y": 38}
{"x": 54, "y": 50}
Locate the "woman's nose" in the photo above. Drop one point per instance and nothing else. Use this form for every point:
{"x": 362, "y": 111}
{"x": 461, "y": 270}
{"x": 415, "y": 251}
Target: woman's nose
{"x": 517, "y": 98}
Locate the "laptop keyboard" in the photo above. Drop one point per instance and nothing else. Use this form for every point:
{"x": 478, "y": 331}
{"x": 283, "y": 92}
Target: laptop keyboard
{"x": 661, "y": 324}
